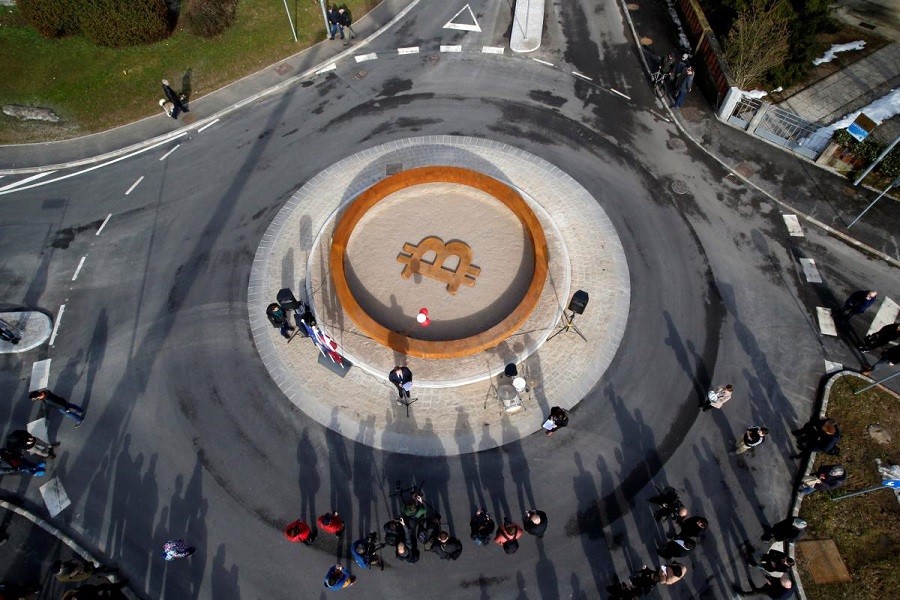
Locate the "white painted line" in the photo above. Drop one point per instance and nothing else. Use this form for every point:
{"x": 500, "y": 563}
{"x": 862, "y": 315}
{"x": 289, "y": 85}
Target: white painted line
{"x": 365, "y": 57}
{"x": 663, "y": 117}
{"x": 78, "y": 269}
{"x": 793, "y": 225}
{"x": 210, "y": 124}
{"x": 55, "y": 497}
{"x": 464, "y": 26}
{"x": 101, "y": 165}
{"x": 56, "y": 324}
{"x": 408, "y": 50}
{"x": 38, "y": 428}
{"x": 810, "y": 270}
{"x": 577, "y": 74}
{"x": 615, "y": 91}
{"x": 134, "y": 185}
{"x": 451, "y": 48}
{"x": 166, "y": 155}
{"x": 493, "y": 49}
{"x": 102, "y": 225}
{"x": 40, "y": 375}
{"x": 826, "y": 321}
{"x": 833, "y": 367}
{"x": 887, "y": 314}
{"x": 16, "y": 184}
{"x": 330, "y": 67}
{"x": 543, "y": 62}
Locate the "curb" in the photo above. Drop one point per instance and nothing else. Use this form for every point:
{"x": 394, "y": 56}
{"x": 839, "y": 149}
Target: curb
{"x": 72, "y": 544}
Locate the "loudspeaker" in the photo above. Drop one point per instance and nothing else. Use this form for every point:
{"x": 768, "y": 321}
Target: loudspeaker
{"x": 286, "y": 299}
{"x": 578, "y": 302}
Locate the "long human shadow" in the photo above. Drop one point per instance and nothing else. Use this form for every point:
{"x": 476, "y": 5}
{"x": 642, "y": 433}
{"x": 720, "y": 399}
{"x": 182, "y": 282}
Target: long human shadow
{"x": 187, "y": 514}
{"x": 707, "y": 545}
{"x": 364, "y": 476}
{"x": 308, "y": 479}
{"x": 532, "y": 368}
{"x": 698, "y": 373}
{"x": 339, "y": 477}
{"x": 518, "y": 468}
{"x": 465, "y": 440}
{"x": 490, "y": 470}
{"x": 437, "y": 472}
{"x": 588, "y": 525}
{"x": 224, "y": 582}
{"x": 545, "y": 572}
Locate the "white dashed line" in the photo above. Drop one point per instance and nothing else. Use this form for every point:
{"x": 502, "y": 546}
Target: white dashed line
{"x": 16, "y": 184}
{"x": 166, "y": 155}
{"x": 78, "y": 270}
{"x": 826, "y": 321}
{"x": 134, "y": 185}
{"x": 833, "y": 367}
{"x": 810, "y": 270}
{"x": 577, "y": 74}
{"x": 210, "y": 124}
{"x": 105, "y": 221}
{"x": 451, "y": 48}
{"x": 615, "y": 91}
{"x": 492, "y": 49}
{"x": 365, "y": 57}
{"x": 408, "y": 50}
{"x": 793, "y": 225}
{"x": 887, "y": 314}
{"x": 543, "y": 62}
{"x": 56, "y": 324}
{"x": 330, "y": 67}
{"x": 40, "y": 375}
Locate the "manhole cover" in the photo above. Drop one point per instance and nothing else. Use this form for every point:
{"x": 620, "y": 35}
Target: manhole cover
{"x": 679, "y": 187}
{"x": 675, "y": 144}
{"x": 433, "y": 59}
{"x": 359, "y": 74}
{"x": 283, "y": 69}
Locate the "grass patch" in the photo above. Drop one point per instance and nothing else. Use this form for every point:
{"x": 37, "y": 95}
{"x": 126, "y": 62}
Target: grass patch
{"x": 865, "y": 528}
{"x": 93, "y": 88}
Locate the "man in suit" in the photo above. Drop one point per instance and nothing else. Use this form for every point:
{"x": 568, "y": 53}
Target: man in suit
{"x": 401, "y": 377}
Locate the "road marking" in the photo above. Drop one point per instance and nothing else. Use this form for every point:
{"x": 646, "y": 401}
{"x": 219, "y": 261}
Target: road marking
{"x": 577, "y": 74}
{"x": 793, "y": 225}
{"x": 887, "y": 314}
{"x": 16, "y": 184}
{"x": 408, "y": 50}
{"x": 210, "y": 124}
{"x": 166, "y": 155}
{"x": 464, "y": 26}
{"x": 330, "y": 67}
{"x": 810, "y": 270}
{"x": 40, "y": 375}
{"x": 102, "y": 225}
{"x": 826, "y": 321}
{"x": 663, "y": 117}
{"x": 833, "y": 367}
{"x": 365, "y": 57}
{"x": 56, "y": 324}
{"x": 543, "y": 62}
{"x": 451, "y": 48}
{"x": 55, "y": 497}
{"x": 615, "y": 91}
{"x": 134, "y": 185}
{"x": 492, "y": 49}
{"x": 78, "y": 270}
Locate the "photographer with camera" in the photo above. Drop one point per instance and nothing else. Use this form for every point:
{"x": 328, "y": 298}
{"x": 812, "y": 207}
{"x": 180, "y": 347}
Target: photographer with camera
{"x": 364, "y": 551}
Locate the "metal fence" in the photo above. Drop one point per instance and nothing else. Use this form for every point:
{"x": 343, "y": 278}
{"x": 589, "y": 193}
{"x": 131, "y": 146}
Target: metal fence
{"x": 773, "y": 123}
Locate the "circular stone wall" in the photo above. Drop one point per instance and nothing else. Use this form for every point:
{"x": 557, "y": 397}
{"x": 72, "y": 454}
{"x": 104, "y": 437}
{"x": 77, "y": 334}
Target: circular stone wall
{"x": 584, "y": 253}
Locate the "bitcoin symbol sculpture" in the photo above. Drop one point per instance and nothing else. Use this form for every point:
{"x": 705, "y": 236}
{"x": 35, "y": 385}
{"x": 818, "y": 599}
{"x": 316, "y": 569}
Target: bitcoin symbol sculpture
{"x": 464, "y": 273}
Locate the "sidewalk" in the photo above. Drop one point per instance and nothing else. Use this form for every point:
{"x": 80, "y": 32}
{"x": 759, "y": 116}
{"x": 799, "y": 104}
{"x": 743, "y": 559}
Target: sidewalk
{"x": 134, "y": 136}
{"x": 802, "y": 186}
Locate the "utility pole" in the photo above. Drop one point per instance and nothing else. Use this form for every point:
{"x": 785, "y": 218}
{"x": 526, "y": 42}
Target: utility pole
{"x": 877, "y": 160}
{"x": 325, "y": 17}
{"x": 290, "y": 20}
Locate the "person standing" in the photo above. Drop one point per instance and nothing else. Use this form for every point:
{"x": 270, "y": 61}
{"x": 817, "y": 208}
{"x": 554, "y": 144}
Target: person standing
{"x": 334, "y": 23}
{"x": 331, "y": 522}
{"x": 447, "y": 547}
{"x": 299, "y": 532}
{"x": 889, "y": 358}
{"x": 882, "y": 337}
{"x": 717, "y": 397}
{"x": 508, "y": 536}
{"x": 677, "y": 548}
{"x": 177, "y": 548}
{"x": 482, "y": 526}
{"x": 51, "y": 400}
{"x": 857, "y": 303}
{"x": 672, "y": 573}
{"x": 788, "y": 530}
{"x": 691, "y": 527}
{"x": 670, "y": 505}
{"x": 683, "y": 86}
{"x": 402, "y": 378}
{"x": 535, "y": 522}
{"x": 753, "y": 437}
{"x": 346, "y": 20}
{"x": 176, "y": 100}
{"x": 777, "y": 588}
{"x": 774, "y": 561}
{"x": 337, "y": 578}
{"x": 20, "y": 441}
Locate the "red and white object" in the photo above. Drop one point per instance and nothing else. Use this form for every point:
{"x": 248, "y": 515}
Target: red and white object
{"x": 422, "y": 317}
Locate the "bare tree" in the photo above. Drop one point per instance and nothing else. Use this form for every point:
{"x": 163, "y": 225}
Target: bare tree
{"x": 758, "y": 40}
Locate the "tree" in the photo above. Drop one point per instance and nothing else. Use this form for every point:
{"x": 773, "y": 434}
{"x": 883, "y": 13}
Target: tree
{"x": 758, "y": 40}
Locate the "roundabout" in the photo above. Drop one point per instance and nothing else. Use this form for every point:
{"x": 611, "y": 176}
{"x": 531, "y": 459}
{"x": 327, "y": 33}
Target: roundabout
{"x": 491, "y": 240}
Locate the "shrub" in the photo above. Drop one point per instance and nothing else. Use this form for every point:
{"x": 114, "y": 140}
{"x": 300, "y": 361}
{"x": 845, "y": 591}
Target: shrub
{"x": 51, "y": 18}
{"x": 124, "y": 23}
{"x": 209, "y": 18}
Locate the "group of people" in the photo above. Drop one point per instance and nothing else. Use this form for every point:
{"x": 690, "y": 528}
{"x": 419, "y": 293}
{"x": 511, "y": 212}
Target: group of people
{"x": 675, "y": 76}
{"x": 338, "y": 19}
{"x": 858, "y": 303}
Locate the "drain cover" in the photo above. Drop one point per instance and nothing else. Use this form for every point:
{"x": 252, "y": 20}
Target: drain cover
{"x": 679, "y": 187}
{"x": 433, "y": 59}
{"x": 360, "y": 74}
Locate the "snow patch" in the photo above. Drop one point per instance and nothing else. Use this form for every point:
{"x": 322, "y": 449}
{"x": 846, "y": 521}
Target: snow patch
{"x": 754, "y": 94}
{"x": 879, "y": 111}
{"x": 836, "y": 48}
{"x": 682, "y": 38}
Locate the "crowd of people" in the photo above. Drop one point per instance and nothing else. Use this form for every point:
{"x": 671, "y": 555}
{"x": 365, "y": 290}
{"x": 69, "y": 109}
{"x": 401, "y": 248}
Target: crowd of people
{"x": 19, "y": 443}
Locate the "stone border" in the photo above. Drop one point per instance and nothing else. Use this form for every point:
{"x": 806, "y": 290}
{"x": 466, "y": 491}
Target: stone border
{"x": 451, "y": 420}
{"x": 35, "y": 326}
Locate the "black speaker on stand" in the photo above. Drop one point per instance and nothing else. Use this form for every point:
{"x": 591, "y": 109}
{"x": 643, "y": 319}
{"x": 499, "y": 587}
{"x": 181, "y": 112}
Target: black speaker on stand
{"x": 576, "y": 307}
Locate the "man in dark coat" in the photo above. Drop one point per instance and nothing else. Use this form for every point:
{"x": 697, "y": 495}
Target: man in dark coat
{"x": 447, "y": 547}
{"x": 677, "y": 548}
{"x": 683, "y": 86}
{"x": 827, "y": 477}
{"x": 691, "y": 527}
{"x": 789, "y": 530}
{"x": 882, "y": 337}
{"x": 889, "y": 357}
{"x": 482, "y": 526}
{"x": 857, "y": 303}
{"x": 334, "y": 23}
{"x": 535, "y": 522}
{"x": 345, "y": 18}
{"x": 777, "y": 588}
{"x": 51, "y": 400}
{"x": 402, "y": 378}
{"x": 176, "y": 100}
{"x": 774, "y": 561}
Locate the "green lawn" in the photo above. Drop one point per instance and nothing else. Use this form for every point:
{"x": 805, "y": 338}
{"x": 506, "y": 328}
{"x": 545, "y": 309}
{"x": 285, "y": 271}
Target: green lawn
{"x": 866, "y": 529}
{"x": 93, "y": 88}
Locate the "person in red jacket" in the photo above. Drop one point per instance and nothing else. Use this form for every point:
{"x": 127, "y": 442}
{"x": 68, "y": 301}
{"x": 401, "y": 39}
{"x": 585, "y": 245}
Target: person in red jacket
{"x": 331, "y": 523}
{"x": 299, "y": 532}
{"x": 508, "y": 536}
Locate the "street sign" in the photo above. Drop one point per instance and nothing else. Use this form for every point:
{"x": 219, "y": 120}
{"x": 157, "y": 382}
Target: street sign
{"x": 861, "y": 127}
{"x": 891, "y": 483}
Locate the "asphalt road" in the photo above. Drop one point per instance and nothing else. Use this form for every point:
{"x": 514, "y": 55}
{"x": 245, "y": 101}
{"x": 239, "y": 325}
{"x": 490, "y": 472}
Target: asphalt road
{"x": 186, "y": 436}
